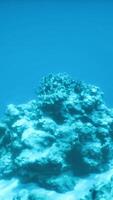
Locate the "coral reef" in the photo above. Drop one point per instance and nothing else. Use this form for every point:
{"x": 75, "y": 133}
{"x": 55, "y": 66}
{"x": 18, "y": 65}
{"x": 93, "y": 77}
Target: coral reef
{"x": 53, "y": 142}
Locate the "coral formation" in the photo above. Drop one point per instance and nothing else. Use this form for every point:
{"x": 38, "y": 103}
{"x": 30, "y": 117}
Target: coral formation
{"x": 63, "y": 136}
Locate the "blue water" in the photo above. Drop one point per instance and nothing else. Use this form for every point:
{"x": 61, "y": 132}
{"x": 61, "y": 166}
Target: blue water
{"x": 39, "y": 37}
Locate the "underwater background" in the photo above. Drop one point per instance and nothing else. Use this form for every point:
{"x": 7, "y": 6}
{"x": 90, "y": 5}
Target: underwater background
{"x": 56, "y": 137}
{"x": 40, "y": 37}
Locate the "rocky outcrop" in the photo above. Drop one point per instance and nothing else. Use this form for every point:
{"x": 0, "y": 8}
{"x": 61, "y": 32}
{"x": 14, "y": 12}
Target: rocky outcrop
{"x": 65, "y": 135}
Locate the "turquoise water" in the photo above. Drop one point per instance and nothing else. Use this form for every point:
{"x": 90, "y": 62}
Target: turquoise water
{"x": 39, "y": 37}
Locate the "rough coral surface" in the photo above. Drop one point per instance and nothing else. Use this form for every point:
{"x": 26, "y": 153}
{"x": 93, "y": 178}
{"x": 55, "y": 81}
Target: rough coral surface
{"x": 62, "y": 137}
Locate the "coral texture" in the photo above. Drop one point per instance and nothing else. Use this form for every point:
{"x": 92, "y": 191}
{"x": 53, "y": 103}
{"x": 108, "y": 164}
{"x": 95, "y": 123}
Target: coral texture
{"x": 53, "y": 142}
